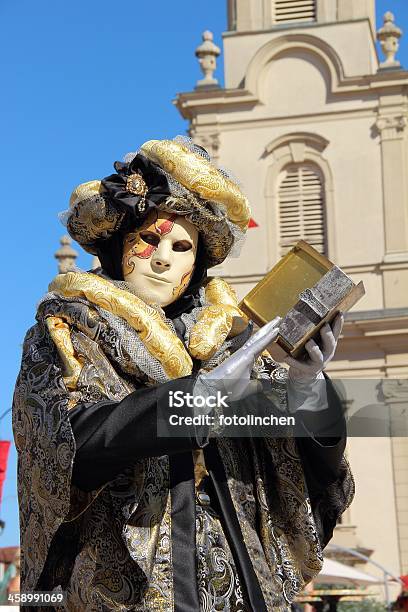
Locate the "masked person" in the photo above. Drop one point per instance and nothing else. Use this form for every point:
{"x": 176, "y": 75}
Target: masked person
{"x": 113, "y": 514}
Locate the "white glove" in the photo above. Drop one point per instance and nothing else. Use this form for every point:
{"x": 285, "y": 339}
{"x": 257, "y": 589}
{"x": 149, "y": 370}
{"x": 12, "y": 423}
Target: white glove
{"x": 233, "y": 376}
{"x": 306, "y": 382}
{"x": 308, "y": 370}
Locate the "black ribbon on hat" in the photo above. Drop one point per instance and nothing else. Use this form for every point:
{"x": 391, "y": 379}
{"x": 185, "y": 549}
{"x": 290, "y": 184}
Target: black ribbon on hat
{"x": 136, "y": 206}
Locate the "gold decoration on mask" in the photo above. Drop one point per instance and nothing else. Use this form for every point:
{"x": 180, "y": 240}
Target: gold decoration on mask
{"x": 161, "y": 342}
{"x": 61, "y": 336}
{"x": 216, "y": 322}
{"x": 84, "y": 191}
{"x": 184, "y": 282}
{"x": 199, "y": 176}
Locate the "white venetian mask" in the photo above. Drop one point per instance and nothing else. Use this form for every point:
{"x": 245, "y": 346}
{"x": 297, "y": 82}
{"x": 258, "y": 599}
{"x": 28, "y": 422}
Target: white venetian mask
{"x": 158, "y": 257}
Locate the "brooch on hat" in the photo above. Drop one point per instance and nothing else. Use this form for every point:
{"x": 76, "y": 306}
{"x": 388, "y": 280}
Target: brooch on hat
{"x": 136, "y": 185}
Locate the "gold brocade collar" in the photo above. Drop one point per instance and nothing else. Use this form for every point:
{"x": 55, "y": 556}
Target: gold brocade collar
{"x": 217, "y": 321}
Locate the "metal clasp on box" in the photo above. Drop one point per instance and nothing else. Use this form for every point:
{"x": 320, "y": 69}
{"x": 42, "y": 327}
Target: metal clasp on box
{"x": 309, "y": 298}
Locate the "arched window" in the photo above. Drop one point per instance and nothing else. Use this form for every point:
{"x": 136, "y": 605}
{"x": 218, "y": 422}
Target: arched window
{"x": 289, "y": 11}
{"x": 301, "y": 198}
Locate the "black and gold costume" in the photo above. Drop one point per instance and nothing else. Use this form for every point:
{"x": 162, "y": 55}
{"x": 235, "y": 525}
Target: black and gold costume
{"x": 122, "y": 519}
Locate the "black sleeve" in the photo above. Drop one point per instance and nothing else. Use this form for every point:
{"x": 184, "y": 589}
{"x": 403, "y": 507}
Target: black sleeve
{"x": 328, "y": 478}
{"x": 322, "y": 452}
{"x": 113, "y": 435}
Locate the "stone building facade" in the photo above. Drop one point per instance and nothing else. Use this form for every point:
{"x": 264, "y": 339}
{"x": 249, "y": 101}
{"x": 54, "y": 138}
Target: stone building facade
{"x": 314, "y": 124}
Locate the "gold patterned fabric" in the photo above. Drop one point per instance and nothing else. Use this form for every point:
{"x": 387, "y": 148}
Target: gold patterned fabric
{"x": 219, "y": 586}
{"x": 84, "y": 191}
{"x": 61, "y": 336}
{"x": 199, "y": 176}
{"x": 172, "y": 176}
{"x": 161, "y": 342}
{"x": 216, "y": 322}
{"x": 111, "y": 548}
{"x": 220, "y": 320}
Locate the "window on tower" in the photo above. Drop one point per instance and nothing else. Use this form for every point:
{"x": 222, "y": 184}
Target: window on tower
{"x": 289, "y": 11}
{"x": 301, "y": 197}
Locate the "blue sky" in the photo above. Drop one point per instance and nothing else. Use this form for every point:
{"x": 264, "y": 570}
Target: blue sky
{"x": 83, "y": 83}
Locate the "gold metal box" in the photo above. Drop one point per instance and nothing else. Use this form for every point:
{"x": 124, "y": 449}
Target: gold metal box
{"x": 304, "y": 288}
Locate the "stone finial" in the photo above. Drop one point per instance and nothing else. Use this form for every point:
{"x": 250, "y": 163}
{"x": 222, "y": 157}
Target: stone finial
{"x": 207, "y": 54}
{"x": 66, "y": 256}
{"x": 389, "y": 36}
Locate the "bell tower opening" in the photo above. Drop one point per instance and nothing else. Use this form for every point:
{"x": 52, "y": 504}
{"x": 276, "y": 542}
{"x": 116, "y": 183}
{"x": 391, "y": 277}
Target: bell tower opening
{"x": 292, "y": 11}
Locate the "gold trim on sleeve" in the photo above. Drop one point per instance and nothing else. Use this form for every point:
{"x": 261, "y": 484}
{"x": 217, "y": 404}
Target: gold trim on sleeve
{"x": 61, "y": 336}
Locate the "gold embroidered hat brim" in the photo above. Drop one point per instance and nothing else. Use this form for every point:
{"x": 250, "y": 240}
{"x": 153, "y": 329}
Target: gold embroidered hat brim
{"x": 209, "y": 199}
{"x": 200, "y": 176}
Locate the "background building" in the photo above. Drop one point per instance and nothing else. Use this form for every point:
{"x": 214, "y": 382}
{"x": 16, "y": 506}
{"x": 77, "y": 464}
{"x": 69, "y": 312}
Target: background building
{"x": 9, "y": 573}
{"x": 315, "y": 127}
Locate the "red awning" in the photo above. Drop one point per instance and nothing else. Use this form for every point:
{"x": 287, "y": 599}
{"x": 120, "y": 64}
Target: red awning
{"x": 4, "y": 451}
{"x": 8, "y": 554}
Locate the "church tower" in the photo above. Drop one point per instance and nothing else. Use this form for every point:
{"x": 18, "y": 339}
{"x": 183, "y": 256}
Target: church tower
{"x": 258, "y": 15}
{"x": 314, "y": 125}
